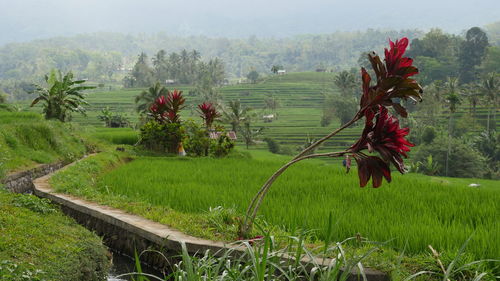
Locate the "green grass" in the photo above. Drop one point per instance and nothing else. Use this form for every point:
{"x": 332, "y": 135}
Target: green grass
{"x": 413, "y": 211}
{"x": 115, "y": 135}
{"x": 37, "y": 242}
{"x": 26, "y": 139}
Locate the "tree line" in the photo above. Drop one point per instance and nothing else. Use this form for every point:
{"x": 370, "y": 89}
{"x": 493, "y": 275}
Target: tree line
{"x": 179, "y": 68}
{"x": 460, "y": 74}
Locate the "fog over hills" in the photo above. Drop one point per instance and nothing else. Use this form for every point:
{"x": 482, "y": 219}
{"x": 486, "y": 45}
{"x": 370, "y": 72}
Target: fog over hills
{"x": 24, "y": 20}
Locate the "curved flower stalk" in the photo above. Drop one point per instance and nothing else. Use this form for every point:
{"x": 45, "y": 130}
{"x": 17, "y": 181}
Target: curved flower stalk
{"x": 381, "y": 134}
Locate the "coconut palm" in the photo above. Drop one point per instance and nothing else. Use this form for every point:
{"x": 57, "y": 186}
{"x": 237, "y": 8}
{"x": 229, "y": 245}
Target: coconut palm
{"x": 145, "y": 99}
{"x": 235, "y": 114}
{"x": 453, "y": 100}
{"x": 62, "y": 96}
{"x": 490, "y": 86}
{"x": 346, "y": 82}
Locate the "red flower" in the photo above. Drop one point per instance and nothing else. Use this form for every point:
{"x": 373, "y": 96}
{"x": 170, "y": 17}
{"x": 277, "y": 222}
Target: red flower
{"x": 174, "y": 102}
{"x": 393, "y": 79}
{"x": 168, "y": 108}
{"x": 374, "y": 167}
{"x": 208, "y": 112}
{"x": 385, "y": 137}
{"x": 395, "y": 63}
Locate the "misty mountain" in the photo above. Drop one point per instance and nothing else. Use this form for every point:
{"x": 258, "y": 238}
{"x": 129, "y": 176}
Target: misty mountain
{"x": 25, "y": 20}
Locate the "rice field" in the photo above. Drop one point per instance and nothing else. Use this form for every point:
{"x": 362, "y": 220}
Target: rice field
{"x": 414, "y": 211}
{"x": 300, "y": 96}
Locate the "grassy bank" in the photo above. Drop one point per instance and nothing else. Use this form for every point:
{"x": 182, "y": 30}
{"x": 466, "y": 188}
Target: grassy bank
{"x": 26, "y": 139}
{"x": 37, "y": 242}
{"x": 412, "y": 212}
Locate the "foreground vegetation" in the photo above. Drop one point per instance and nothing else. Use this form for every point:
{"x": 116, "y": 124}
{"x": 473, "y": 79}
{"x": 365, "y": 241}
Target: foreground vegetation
{"x": 263, "y": 259}
{"x": 37, "y": 242}
{"x": 204, "y": 197}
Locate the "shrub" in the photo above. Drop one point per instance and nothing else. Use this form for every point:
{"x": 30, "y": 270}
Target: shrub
{"x": 287, "y": 150}
{"x": 272, "y": 145}
{"x": 428, "y": 135}
{"x": 161, "y": 137}
{"x": 464, "y": 160}
{"x": 113, "y": 120}
{"x": 221, "y": 146}
{"x": 197, "y": 142}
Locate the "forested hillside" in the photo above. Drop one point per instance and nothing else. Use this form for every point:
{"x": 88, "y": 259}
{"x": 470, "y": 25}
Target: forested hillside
{"x": 109, "y": 57}
{"x": 96, "y": 55}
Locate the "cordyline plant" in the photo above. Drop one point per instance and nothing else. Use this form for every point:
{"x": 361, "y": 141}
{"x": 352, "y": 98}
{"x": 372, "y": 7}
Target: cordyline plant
{"x": 166, "y": 109}
{"x": 208, "y": 113}
{"x": 381, "y": 134}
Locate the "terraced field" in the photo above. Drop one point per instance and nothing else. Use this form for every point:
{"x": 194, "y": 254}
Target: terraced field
{"x": 300, "y": 96}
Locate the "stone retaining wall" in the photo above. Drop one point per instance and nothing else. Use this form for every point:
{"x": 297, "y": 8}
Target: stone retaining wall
{"x": 22, "y": 182}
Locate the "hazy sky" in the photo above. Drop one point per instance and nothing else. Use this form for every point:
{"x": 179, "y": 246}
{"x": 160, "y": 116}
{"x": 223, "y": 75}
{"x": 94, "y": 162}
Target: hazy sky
{"x": 22, "y": 20}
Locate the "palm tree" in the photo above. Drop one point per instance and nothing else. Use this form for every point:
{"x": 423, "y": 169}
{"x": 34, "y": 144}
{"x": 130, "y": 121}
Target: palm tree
{"x": 145, "y": 99}
{"x": 490, "y": 86}
{"x": 195, "y": 55}
{"x": 250, "y": 135}
{"x": 473, "y": 95}
{"x": 160, "y": 65}
{"x": 235, "y": 114}
{"x": 62, "y": 96}
{"x": 453, "y": 100}
{"x": 346, "y": 82}
{"x": 272, "y": 103}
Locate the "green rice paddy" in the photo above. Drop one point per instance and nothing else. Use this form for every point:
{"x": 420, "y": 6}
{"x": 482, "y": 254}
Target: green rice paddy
{"x": 414, "y": 211}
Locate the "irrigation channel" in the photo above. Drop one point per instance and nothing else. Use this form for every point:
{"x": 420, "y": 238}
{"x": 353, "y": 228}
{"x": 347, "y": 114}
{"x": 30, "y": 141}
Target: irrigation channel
{"x": 123, "y": 264}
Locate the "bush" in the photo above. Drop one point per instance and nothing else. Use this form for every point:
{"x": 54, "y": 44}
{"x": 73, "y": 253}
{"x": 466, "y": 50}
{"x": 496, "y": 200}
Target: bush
{"x": 287, "y": 150}
{"x": 464, "y": 160}
{"x": 221, "y": 146}
{"x": 197, "y": 142}
{"x": 161, "y": 137}
{"x": 113, "y": 120}
{"x": 272, "y": 145}
{"x": 428, "y": 135}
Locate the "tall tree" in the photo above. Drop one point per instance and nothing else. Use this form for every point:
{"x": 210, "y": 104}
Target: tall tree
{"x": 472, "y": 52}
{"x": 473, "y": 94}
{"x": 490, "y": 86}
{"x": 160, "y": 65}
{"x": 253, "y": 76}
{"x": 453, "y": 100}
{"x": 142, "y": 73}
{"x": 272, "y": 103}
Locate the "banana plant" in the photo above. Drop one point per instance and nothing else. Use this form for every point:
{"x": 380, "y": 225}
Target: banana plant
{"x": 62, "y": 96}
